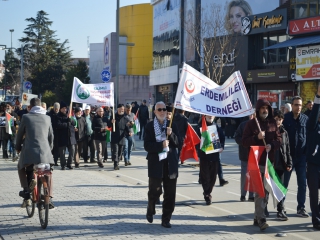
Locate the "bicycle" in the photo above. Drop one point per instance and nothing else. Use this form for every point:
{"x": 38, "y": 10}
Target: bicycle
{"x": 40, "y": 194}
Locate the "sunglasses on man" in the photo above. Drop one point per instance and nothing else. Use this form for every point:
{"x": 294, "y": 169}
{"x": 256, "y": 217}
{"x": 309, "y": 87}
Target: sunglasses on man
{"x": 161, "y": 109}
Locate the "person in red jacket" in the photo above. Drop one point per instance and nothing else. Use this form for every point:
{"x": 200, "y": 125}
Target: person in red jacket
{"x": 266, "y": 134}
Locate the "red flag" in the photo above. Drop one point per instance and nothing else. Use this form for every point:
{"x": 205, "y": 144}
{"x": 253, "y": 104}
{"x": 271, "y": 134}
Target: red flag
{"x": 254, "y": 180}
{"x": 189, "y": 145}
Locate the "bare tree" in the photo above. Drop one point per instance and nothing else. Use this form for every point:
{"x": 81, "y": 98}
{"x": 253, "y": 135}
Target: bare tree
{"x": 214, "y": 45}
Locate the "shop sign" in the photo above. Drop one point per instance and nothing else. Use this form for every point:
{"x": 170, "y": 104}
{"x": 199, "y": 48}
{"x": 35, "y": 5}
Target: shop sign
{"x": 308, "y": 63}
{"x": 265, "y": 22}
{"x": 271, "y": 97}
{"x": 267, "y": 75}
{"x": 164, "y": 88}
{"x": 306, "y": 25}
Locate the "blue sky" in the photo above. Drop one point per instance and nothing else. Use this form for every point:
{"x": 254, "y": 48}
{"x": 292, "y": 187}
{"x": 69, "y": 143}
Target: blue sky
{"x": 74, "y": 20}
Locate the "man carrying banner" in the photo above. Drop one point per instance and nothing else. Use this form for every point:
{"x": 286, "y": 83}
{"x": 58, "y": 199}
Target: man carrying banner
{"x": 262, "y": 131}
{"x": 161, "y": 143}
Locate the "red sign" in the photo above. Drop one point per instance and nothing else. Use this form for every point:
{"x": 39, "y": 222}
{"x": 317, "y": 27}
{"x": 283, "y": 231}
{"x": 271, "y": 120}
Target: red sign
{"x": 306, "y": 25}
{"x": 271, "y": 97}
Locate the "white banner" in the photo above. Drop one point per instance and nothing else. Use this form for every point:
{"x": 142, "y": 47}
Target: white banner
{"x": 26, "y": 97}
{"x": 100, "y": 94}
{"x": 199, "y": 94}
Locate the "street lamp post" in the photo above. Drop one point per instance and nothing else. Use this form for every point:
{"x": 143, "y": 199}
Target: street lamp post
{"x": 11, "y": 30}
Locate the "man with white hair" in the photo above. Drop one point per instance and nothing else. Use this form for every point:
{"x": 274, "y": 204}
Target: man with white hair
{"x": 161, "y": 143}
{"x": 287, "y": 108}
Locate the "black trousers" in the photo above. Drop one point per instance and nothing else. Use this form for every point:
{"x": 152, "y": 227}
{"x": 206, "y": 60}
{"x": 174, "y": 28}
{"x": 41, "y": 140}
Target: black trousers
{"x": 142, "y": 126}
{"x": 313, "y": 177}
{"x": 280, "y": 206}
{"x": 55, "y": 152}
{"x": 169, "y": 196}
{"x": 88, "y": 143}
{"x": 116, "y": 152}
{"x": 208, "y": 175}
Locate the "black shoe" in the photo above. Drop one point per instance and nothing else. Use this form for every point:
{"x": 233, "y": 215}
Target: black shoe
{"x": 51, "y": 205}
{"x": 166, "y": 224}
{"x": 85, "y": 161}
{"x": 263, "y": 225}
{"x": 129, "y": 163}
{"x": 100, "y": 165}
{"x": 116, "y": 168}
{"x": 158, "y": 201}
{"x": 104, "y": 161}
{"x": 251, "y": 199}
{"x": 56, "y": 164}
{"x": 69, "y": 167}
{"x": 126, "y": 164}
{"x": 63, "y": 168}
{"x": 223, "y": 182}
{"x": 208, "y": 198}
{"x": 25, "y": 195}
{"x": 149, "y": 218}
{"x": 242, "y": 198}
{"x": 255, "y": 222}
{"x": 93, "y": 161}
{"x": 316, "y": 226}
{"x": 77, "y": 166}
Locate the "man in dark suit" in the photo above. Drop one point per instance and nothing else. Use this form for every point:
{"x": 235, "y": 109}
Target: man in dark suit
{"x": 161, "y": 143}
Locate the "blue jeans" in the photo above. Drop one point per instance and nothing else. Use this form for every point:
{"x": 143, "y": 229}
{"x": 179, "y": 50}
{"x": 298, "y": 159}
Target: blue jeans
{"x": 300, "y": 166}
{"x": 127, "y": 149}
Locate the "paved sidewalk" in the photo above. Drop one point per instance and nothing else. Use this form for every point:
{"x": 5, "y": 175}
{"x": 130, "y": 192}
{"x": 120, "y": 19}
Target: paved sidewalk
{"x": 98, "y": 205}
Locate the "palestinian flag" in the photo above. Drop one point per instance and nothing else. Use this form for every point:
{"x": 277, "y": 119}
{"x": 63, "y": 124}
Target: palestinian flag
{"x": 205, "y": 136}
{"x": 273, "y": 184}
{"x": 109, "y": 130}
{"x": 9, "y": 123}
{"x": 136, "y": 125}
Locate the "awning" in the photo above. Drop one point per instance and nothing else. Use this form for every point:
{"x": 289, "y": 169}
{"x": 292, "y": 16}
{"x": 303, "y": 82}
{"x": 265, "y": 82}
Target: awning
{"x": 296, "y": 42}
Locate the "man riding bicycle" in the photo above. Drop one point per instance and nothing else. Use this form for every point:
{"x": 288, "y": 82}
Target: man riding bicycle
{"x": 35, "y": 141}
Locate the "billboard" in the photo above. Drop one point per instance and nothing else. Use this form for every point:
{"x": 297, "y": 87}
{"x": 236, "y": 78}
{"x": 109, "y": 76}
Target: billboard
{"x": 308, "y": 63}
{"x": 189, "y": 15}
{"x": 231, "y": 11}
{"x": 302, "y": 26}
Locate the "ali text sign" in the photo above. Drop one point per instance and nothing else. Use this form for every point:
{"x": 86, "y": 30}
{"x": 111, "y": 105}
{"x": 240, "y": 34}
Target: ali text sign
{"x": 306, "y": 25}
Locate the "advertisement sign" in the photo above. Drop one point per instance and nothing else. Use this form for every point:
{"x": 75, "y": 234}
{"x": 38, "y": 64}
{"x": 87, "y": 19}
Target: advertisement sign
{"x": 166, "y": 16}
{"x": 189, "y": 51}
{"x": 199, "y": 94}
{"x": 264, "y": 22}
{"x": 107, "y": 51}
{"x": 308, "y": 63}
{"x": 95, "y": 94}
{"x": 233, "y": 11}
{"x": 302, "y": 26}
{"x": 271, "y": 97}
{"x": 267, "y": 75}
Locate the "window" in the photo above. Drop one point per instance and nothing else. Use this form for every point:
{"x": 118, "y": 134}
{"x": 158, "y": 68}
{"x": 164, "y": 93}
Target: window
{"x": 277, "y": 55}
{"x": 304, "y": 8}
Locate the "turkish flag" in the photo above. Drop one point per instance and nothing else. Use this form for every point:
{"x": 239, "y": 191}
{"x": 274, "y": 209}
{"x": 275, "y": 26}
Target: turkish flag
{"x": 189, "y": 145}
{"x": 253, "y": 176}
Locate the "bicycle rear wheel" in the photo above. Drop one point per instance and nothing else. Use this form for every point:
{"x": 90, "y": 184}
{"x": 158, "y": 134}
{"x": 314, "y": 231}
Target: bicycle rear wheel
{"x": 43, "y": 204}
{"x": 30, "y": 209}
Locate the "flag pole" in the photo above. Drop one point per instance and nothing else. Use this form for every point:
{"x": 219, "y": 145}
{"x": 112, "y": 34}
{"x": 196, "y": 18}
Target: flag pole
{"x": 70, "y": 110}
{"x": 114, "y": 122}
{"x": 264, "y": 141}
{"x": 171, "y": 120}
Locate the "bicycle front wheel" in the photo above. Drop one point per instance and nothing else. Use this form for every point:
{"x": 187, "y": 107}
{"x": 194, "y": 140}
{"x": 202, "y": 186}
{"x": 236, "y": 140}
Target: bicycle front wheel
{"x": 30, "y": 209}
{"x": 43, "y": 204}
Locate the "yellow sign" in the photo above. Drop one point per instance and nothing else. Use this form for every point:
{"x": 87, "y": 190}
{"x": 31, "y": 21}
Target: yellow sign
{"x": 266, "y": 21}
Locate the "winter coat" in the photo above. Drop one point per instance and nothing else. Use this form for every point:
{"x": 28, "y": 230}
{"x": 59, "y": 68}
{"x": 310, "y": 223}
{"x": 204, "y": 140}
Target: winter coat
{"x": 243, "y": 151}
{"x": 153, "y": 148}
{"x": 82, "y": 129}
{"x": 272, "y": 134}
{"x": 99, "y": 128}
{"x": 282, "y": 156}
{"x": 143, "y": 114}
{"x": 65, "y": 130}
{"x": 121, "y": 129}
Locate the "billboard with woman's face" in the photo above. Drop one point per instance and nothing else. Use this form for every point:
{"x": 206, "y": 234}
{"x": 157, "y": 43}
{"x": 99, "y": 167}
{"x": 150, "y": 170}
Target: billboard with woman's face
{"x": 233, "y": 10}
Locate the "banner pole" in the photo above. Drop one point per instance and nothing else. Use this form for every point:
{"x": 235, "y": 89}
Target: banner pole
{"x": 264, "y": 141}
{"x": 114, "y": 123}
{"x": 70, "y": 110}
{"x": 171, "y": 120}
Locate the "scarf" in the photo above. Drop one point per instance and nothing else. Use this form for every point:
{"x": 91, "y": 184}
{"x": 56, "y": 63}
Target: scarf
{"x": 38, "y": 109}
{"x": 160, "y": 132}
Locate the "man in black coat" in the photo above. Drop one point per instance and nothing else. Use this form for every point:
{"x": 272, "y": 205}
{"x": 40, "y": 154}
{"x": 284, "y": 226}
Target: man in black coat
{"x": 118, "y": 137}
{"x": 66, "y": 136}
{"x": 161, "y": 143}
{"x": 313, "y": 159}
{"x": 54, "y": 120}
{"x": 99, "y": 128}
{"x": 143, "y": 116}
{"x": 80, "y": 133}
{"x": 181, "y": 122}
